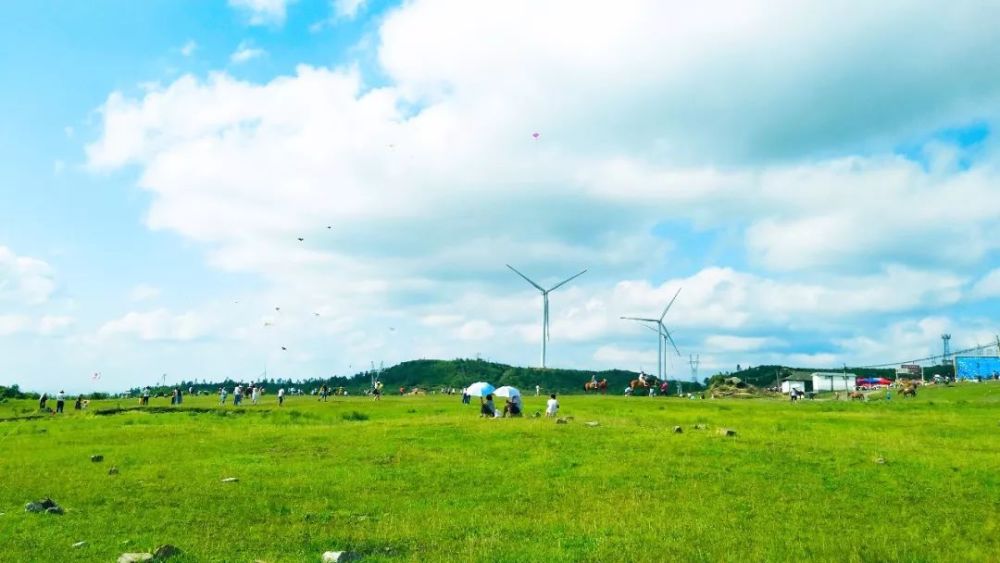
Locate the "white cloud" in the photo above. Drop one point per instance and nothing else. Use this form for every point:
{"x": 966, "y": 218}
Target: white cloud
{"x": 189, "y": 47}
{"x": 23, "y": 279}
{"x": 728, "y": 343}
{"x": 50, "y": 325}
{"x": 988, "y": 286}
{"x": 347, "y": 8}
{"x": 47, "y": 325}
{"x": 14, "y": 324}
{"x": 143, "y": 292}
{"x": 245, "y": 52}
{"x": 626, "y": 358}
{"x": 433, "y": 180}
{"x": 158, "y": 324}
{"x": 440, "y": 320}
{"x": 263, "y": 12}
{"x": 475, "y": 330}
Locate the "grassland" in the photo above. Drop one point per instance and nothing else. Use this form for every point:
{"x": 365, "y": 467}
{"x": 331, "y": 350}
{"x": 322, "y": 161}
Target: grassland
{"x": 423, "y": 478}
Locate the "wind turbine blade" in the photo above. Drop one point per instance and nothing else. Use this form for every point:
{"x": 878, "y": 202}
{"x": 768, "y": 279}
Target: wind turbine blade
{"x": 671, "y": 303}
{"x": 671, "y": 339}
{"x": 566, "y": 281}
{"x": 638, "y": 319}
{"x": 538, "y": 287}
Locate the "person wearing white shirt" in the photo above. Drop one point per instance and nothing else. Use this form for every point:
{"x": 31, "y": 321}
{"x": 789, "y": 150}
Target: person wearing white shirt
{"x": 551, "y": 406}
{"x": 281, "y": 396}
{"x": 255, "y": 395}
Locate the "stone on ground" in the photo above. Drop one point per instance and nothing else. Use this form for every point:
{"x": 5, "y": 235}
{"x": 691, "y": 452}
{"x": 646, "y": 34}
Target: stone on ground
{"x": 678, "y": 430}
{"x": 337, "y": 556}
{"x": 166, "y": 551}
{"x": 727, "y": 432}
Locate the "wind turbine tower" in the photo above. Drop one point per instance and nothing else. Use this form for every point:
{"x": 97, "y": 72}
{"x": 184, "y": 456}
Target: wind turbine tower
{"x": 664, "y": 334}
{"x": 545, "y": 305}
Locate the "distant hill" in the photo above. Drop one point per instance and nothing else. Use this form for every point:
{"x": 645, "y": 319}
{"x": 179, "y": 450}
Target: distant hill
{"x": 435, "y": 374}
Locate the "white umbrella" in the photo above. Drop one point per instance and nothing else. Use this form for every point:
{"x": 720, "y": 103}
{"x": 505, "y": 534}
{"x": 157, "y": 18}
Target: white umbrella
{"x": 507, "y": 391}
{"x": 479, "y": 389}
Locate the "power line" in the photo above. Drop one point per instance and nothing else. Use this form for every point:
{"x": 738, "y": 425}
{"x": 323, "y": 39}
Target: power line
{"x": 927, "y": 359}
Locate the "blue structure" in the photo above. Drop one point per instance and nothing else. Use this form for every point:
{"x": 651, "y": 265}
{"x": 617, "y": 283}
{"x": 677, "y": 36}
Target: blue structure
{"x": 972, "y": 367}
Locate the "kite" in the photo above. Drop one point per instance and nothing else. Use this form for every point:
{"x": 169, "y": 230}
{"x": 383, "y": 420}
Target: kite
{"x": 96, "y": 376}
{"x": 301, "y": 239}
{"x": 283, "y": 348}
{"x": 536, "y": 135}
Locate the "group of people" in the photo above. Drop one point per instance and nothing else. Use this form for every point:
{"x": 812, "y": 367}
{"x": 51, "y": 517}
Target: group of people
{"x": 513, "y": 406}
{"x": 43, "y": 401}
{"x": 255, "y": 392}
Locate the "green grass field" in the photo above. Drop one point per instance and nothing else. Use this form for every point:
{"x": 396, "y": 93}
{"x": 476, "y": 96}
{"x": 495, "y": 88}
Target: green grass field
{"x": 423, "y": 478}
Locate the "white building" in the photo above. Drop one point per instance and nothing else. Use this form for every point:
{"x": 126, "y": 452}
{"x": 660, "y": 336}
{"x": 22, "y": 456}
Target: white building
{"x": 833, "y": 381}
{"x": 787, "y": 386}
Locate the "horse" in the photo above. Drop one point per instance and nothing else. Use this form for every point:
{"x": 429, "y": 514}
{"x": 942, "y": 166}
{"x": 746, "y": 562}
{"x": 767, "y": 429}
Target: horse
{"x": 639, "y": 384}
{"x": 601, "y": 386}
{"x": 856, "y": 395}
{"x": 909, "y": 392}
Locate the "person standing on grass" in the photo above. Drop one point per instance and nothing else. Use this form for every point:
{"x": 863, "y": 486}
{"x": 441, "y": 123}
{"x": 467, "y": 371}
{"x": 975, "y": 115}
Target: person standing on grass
{"x": 79, "y": 403}
{"x": 281, "y": 396}
{"x": 538, "y": 389}
{"x": 255, "y": 395}
{"x": 551, "y": 406}
{"x": 222, "y": 395}
{"x": 60, "y": 401}
{"x": 237, "y": 395}
{"x": 42, "y": 400}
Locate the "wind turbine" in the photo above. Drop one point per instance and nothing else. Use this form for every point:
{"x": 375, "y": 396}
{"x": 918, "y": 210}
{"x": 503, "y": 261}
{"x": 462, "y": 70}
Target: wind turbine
{"x": 663, "y": 349}
{"x": 545, "y": 304}
{"x": 664, "y": 334}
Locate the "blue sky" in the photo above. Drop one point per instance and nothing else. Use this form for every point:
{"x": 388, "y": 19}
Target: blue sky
{"x": 822, "y": 185}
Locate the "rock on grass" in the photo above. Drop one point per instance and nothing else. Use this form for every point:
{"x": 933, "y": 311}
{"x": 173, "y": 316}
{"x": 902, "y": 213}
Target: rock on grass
{"x": 166, "y": 551}
{"x": 727, "y": 432}
{"x": 338, "y": 556}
